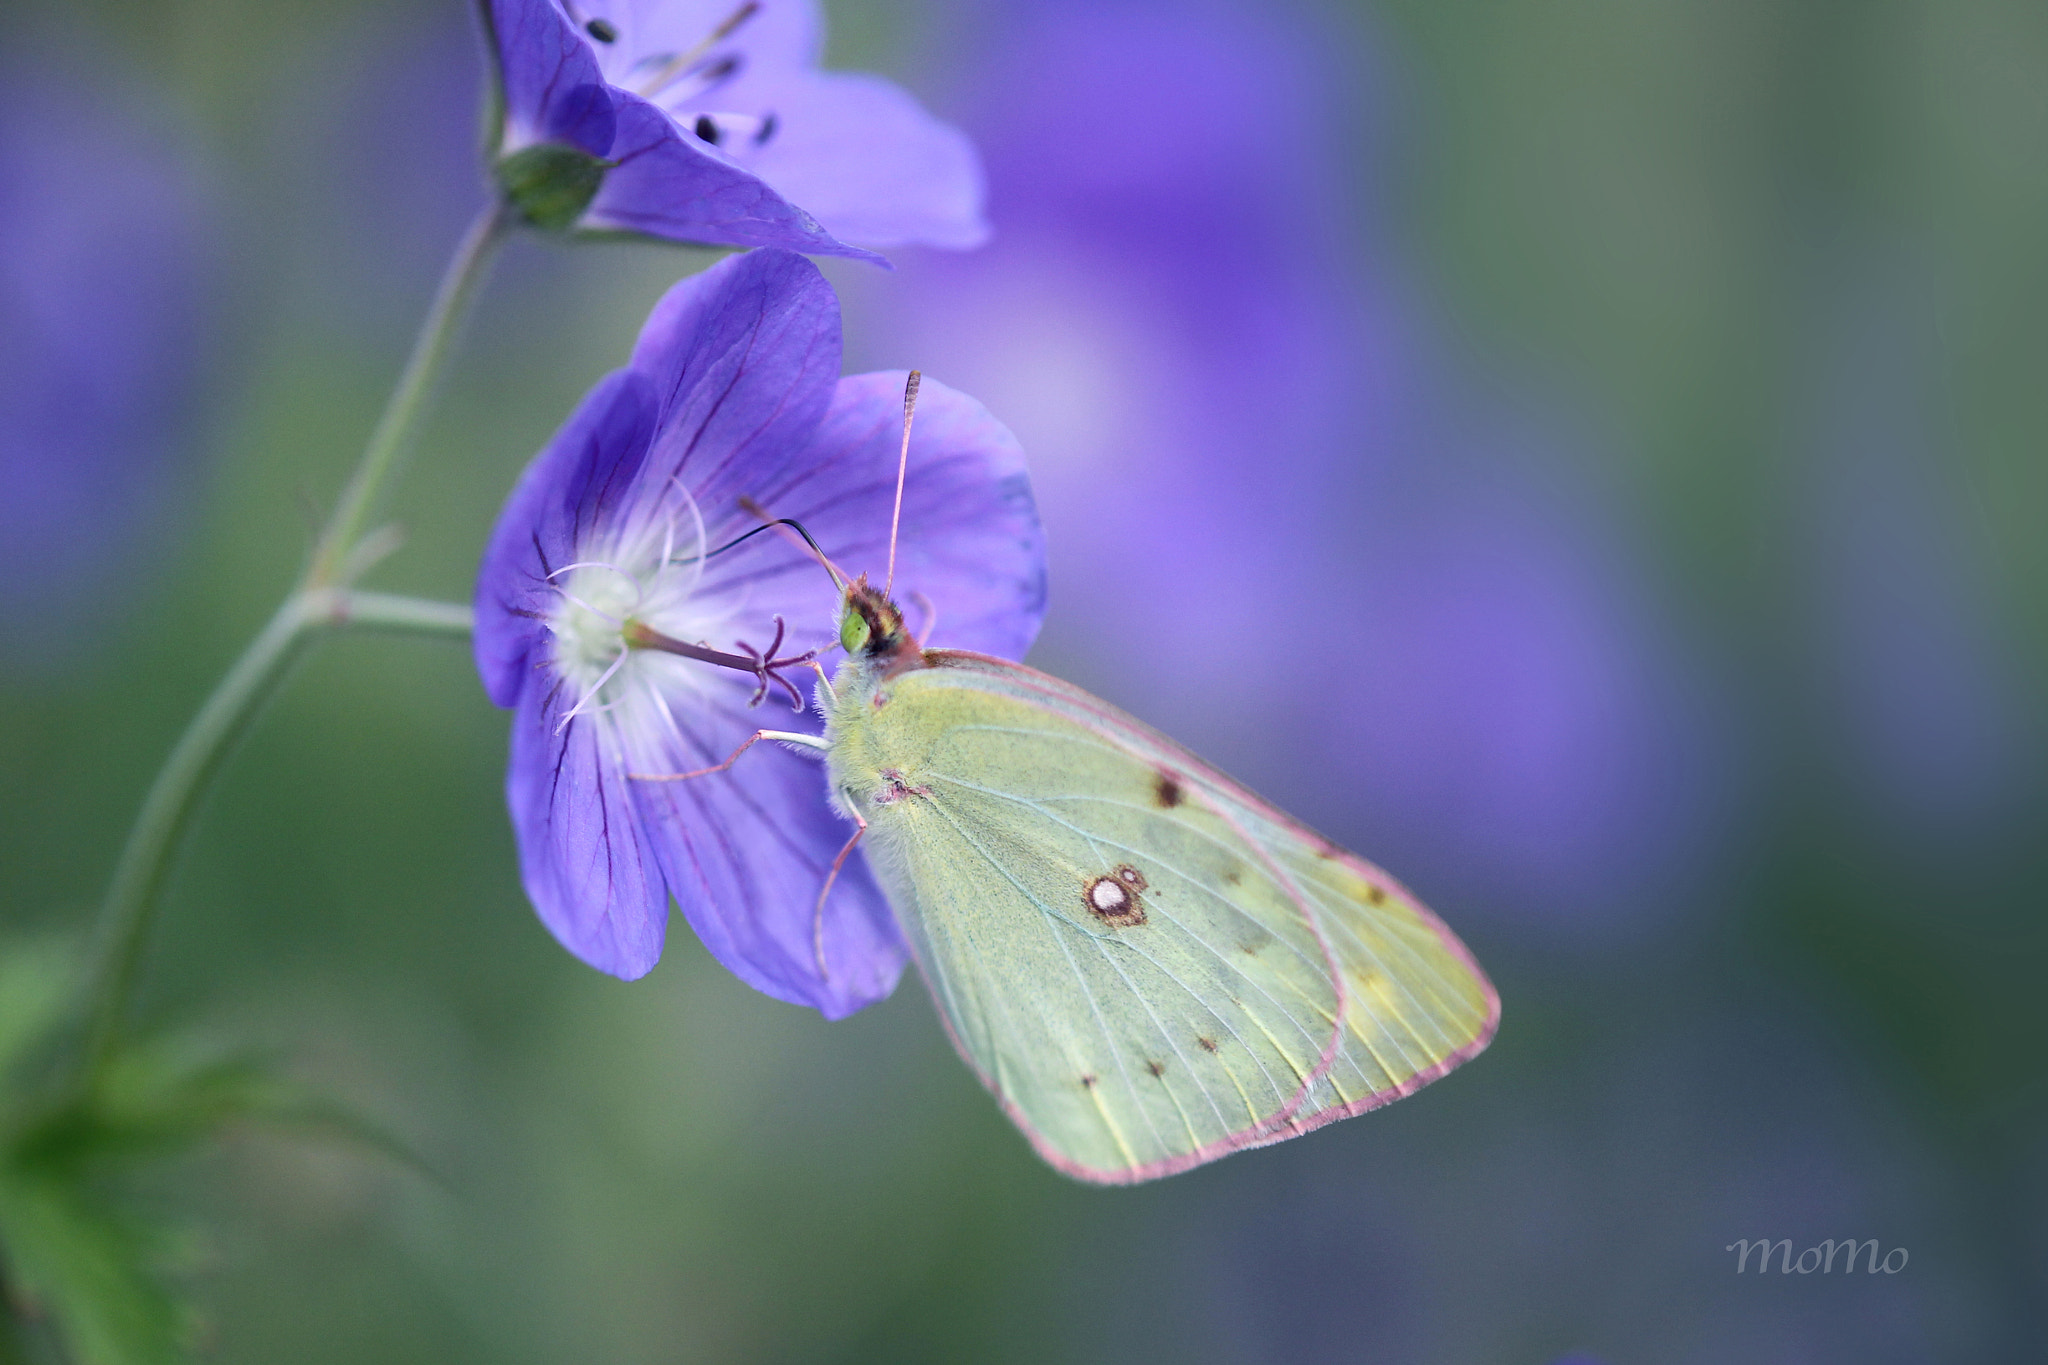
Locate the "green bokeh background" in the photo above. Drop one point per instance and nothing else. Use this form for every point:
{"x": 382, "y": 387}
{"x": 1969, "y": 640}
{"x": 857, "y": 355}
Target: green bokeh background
{"x": 1650, "y": 207}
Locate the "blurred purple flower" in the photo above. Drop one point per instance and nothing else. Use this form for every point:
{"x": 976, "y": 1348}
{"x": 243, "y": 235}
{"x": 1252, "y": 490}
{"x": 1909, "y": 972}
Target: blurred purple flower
{"x": 102, "y": 322}
{"x": 389, "y": 101}
{"x": 1531, "y": 743}
{"x": 717, "y": 127}
{"x": 732, "y": 400}
{"x": 1237, "y": 413}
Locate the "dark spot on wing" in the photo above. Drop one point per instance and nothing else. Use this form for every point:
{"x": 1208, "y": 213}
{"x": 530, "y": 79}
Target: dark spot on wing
{"x": 1166, "y": 790}
{"x": 1256, "y": 937}
{"x": 1114, "y": 901}
{"x": 1206, "y": 1044}
{"x": 897, "y": 788}
{"x": 1375, "y": 894}
{"x": 1156, "y": 1068}
{"x": 1087, "y": 1082}
{"x": 602, "y": 31}
{"x": 707, "y": 129}
{"x": 1233, "y": 875}
{"x": 767, "y": 130}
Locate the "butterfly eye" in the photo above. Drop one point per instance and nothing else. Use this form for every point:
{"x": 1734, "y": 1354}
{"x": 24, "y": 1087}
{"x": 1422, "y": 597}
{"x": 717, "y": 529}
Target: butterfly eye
{"x": 853, "y": 632}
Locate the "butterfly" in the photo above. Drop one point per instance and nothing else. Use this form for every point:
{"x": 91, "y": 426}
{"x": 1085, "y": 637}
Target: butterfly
{"x": 1148, "y": 965}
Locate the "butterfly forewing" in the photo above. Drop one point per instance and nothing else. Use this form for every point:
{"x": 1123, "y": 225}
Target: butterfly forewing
{"x": 1149, "y": 966}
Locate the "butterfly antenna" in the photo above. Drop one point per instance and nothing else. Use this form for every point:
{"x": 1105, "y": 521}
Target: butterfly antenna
{"x": 796, "y": 536}
{"x": 902, "y": 467}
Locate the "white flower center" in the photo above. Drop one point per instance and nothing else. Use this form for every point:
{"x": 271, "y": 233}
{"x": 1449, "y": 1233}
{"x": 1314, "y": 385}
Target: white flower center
{"x": 596, "y": 600}
{"x": 645, "y": 571}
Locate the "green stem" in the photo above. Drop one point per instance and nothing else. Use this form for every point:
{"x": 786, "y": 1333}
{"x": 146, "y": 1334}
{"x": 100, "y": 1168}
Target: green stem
{"x": 401, "y": 414}
{"x": 321, "y": 599}
{"x": 167, "y": 810}
{"x": 409, "y": 615}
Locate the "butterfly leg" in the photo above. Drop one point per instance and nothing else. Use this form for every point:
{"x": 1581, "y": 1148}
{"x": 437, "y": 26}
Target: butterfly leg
{"x": 786, "y": 736}
{"x": 818, "y": 912}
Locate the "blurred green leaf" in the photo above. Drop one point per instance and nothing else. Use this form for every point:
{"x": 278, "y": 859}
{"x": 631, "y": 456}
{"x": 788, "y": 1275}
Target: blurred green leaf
{"x": 72, "y": 1257}
{"x": 72, "y": 1251}
{"x": 164, "y": 1097}
{"x": 36, "y": 976}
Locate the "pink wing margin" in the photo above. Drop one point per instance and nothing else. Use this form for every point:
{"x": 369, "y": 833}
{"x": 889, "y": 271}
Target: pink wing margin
{"x": 1286, "y": 1122}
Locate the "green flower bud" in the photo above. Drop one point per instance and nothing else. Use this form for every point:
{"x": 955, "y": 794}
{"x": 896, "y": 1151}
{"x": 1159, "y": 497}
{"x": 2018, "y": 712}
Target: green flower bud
{"x": 551, "y": 183}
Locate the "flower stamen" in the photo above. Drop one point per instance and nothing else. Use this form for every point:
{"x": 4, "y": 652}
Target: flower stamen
{"x": 668, "y": 549}
{"x": 595, "y": 688}
{"x": 682, "y": 61}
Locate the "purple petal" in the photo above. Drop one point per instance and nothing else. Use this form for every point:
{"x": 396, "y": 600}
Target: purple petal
{"x": 106, "y": 321}
{"x": 868, "y": 162}
{"x": 970, "y": 545}
{"x": 583, "y": 116}
{"x": 742, "y": 360}
{"x": 583, "y": 856}
{"x": 669, "y": 183}
{"x": 569, "y": 487}
{"x": 746, "y": 853}
{"x": 550, "y": 80}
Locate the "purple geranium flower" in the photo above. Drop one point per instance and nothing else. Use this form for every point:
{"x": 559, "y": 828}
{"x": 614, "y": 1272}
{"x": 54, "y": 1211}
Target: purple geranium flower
{"x": 695, "y": 120}
{"x": 104, "y": 316}
{"x": 613, "y": 590}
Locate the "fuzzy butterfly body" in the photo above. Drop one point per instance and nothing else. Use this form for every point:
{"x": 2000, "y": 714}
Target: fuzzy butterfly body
{"x": 1148, "y": 965}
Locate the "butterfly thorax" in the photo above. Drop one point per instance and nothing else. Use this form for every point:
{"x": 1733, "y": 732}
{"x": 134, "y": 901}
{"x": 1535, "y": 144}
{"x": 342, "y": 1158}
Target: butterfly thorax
{"x": 867, "y": 754}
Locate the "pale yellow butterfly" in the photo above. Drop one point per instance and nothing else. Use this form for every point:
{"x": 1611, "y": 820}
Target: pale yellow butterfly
{"x": 1148, "y": 965}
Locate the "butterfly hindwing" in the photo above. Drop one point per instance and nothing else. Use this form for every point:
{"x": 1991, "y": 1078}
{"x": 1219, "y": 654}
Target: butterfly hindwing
{"x": 1416, "y": 1004}
{"x": 1148, "y": 966}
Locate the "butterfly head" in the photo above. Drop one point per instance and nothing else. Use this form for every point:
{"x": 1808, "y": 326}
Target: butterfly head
{"x": 871, "y": 626}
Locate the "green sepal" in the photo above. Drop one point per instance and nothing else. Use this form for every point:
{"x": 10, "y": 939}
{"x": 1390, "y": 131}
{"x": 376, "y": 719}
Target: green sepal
{"x": 551, "y": 183}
